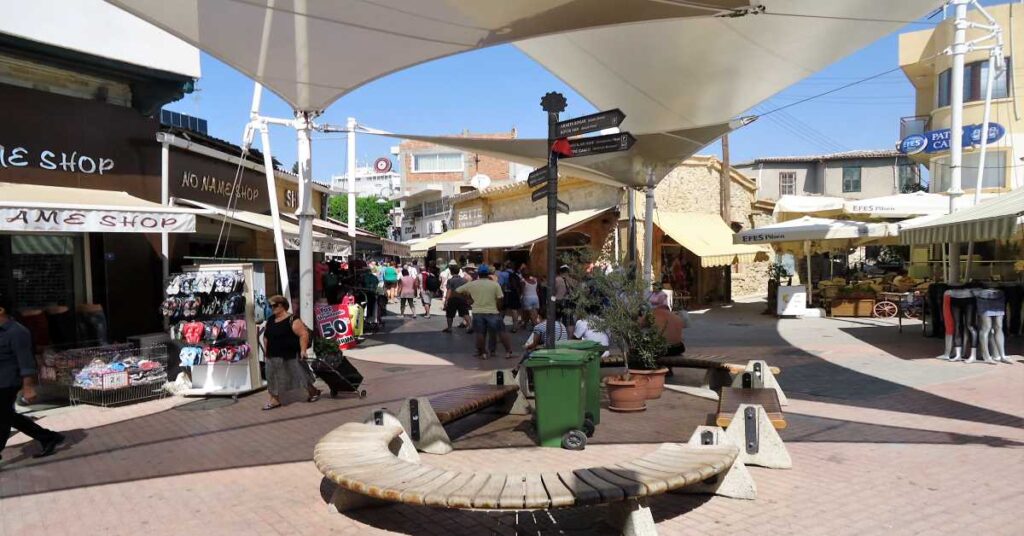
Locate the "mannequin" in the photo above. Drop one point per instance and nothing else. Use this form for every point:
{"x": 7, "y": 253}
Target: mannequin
{"x": 962, "y": 306}
{"x": 949, "y": 327}
{"x": 991, "y": 310}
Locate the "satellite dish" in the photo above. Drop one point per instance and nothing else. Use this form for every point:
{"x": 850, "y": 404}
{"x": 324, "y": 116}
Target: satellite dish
{"x": 382, "y": 165}
{"x": 480, "y": 181}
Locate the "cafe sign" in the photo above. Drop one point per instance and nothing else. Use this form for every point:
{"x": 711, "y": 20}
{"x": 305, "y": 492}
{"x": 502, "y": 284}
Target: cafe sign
{"x": 938, "y": 141}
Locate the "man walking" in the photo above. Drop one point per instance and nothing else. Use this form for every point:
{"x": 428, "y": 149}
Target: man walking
{"x": 455, "y": 304}
{"x": 485, "y": 295}
{"x": 18, "y": 372}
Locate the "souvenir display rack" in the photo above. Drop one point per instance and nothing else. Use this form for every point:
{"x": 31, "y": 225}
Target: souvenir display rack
{"x": 210, "y": 309}
{"x": 118, "y": 375}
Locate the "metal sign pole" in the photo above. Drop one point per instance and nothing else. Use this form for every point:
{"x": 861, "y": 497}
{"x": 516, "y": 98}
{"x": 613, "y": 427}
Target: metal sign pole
{"x": 553, "y": 104}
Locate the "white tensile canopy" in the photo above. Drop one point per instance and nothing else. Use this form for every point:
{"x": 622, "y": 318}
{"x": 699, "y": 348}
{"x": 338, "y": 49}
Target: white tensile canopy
{"x": 312, "y": 52}
{"x": 899, "y": 205}
{"x": 658, "y": 152}
{"x": 679, "y": 73}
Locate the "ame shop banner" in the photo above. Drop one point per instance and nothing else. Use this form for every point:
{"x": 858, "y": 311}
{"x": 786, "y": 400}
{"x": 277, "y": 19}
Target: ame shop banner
{"x": 94, "y": 221}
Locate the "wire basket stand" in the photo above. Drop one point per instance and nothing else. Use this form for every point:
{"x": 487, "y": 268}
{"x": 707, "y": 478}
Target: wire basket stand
{"x": 121, "y": 376}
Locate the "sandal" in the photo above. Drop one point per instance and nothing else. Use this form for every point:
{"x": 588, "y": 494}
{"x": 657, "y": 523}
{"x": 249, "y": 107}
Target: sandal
{"x": 269, "y": 406}
{"x": 315, "y": 397}
{"x": 510, "y": 356}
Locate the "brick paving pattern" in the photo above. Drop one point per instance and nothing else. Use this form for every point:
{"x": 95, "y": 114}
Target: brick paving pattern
{"x": 884, "y": 438}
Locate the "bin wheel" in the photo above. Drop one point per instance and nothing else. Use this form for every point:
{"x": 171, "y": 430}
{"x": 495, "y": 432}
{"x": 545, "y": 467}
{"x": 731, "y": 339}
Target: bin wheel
{"x": 334, "y": 393}
{"x": 588, "y": 427}
{"x": 588, "y": 416}
{"x": 362, "y": 394}
{"x": 574, "y": 440}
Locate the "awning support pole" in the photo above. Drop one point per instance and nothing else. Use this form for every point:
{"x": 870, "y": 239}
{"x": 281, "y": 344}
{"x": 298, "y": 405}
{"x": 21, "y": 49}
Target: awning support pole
{"x": 649, "y": 228}
{"x": 351, "y": 172}
{"x": 260, "y": 123}
{"x": 810, "y": 285}
{"x": 165, "y": 167}
{"x": 631, "y": 227}
{"x": 303, "y": 124}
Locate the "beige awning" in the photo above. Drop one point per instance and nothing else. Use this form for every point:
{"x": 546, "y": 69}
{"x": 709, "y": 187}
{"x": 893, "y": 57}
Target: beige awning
{"x": 514, "y": 234}
{"x": 708, "y": 237}
{"x": 322, "y": 243}
{"x": 422, "y": 246}
{"x": 57, "y": 209}
{"x": 994, "y": 219}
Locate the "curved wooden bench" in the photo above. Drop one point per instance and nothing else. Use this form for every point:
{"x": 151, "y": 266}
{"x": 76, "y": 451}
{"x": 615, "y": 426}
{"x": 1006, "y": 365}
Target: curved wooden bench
{"x": 359, "y": 459}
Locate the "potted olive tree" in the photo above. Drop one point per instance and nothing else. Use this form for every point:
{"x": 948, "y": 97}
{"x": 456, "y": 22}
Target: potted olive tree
{"x": 616, "y": 302}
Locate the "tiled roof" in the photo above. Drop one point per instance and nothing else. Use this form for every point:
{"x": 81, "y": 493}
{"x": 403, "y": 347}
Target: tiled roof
{"x": 847, "y": 155}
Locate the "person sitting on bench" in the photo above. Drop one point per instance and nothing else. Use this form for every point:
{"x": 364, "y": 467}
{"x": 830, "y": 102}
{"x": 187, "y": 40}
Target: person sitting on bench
{"x": 670, "y": 325}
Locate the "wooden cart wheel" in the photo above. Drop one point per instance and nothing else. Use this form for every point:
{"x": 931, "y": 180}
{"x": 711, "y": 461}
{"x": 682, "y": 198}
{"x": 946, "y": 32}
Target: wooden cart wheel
{"x": 885, "y": 309}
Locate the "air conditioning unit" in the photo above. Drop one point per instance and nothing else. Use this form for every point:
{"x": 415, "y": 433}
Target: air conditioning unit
{"x": 436, "y": 227}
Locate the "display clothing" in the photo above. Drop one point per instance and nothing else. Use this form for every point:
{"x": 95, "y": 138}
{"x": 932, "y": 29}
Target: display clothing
{"x": 963, "y": 308}
{"x": 990, "y": 302}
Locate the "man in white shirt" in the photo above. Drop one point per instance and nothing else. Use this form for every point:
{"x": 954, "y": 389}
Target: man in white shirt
{"x": 583, "y": 331}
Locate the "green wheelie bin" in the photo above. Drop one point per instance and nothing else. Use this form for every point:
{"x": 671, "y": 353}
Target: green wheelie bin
{"x": 592, "y": 406}
{"x": 559, "y": 387}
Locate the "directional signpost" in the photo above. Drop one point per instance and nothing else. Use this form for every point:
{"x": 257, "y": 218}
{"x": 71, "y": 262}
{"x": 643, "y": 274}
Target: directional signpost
{"x": 547, "y": 177}
{"x": 589, "y": 123}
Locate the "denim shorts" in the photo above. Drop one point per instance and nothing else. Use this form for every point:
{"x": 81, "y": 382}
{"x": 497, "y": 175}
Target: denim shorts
{"x": 487, "y": 322}
{"x": 531, "y": 303}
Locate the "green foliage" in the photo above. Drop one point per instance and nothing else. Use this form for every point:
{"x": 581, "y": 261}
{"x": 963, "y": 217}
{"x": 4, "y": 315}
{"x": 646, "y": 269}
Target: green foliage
{"x": 777, "y": 271}
{"x": 374, "y": 215}
{"x": 620, "y": 298}
{"x": 325, "y": 347}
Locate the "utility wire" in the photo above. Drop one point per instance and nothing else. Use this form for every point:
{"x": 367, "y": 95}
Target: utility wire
{"x": 840, "y": 88}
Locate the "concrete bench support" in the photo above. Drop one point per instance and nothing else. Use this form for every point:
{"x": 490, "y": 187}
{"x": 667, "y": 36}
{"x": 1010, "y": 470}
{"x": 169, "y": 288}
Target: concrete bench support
{"x": 426, "y": 431}
{"x": 633, "y": 517}
{"x": 735, "y": 483}
{"x": 758, "y": 441}
{"x": 761, "y": 376}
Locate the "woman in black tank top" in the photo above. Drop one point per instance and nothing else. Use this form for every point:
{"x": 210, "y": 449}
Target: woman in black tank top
{"x": 286, "y": 340}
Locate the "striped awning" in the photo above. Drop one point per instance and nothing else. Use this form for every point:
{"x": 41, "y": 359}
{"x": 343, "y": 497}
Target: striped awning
{"x": 993, "y": 219}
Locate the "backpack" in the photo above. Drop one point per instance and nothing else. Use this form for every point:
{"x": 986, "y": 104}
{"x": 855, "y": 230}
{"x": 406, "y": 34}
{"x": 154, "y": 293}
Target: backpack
{"x": 515, "y": 283}
{"x": 433, "y": 283}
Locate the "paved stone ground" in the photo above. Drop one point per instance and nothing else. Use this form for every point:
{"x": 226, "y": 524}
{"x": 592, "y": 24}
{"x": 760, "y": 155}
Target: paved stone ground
{"x": 884, "y": 438}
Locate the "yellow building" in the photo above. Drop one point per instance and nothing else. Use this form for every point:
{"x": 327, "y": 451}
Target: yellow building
{"x": 922, "y": 58}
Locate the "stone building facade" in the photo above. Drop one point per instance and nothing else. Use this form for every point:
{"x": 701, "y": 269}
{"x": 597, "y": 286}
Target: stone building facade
{"x": 694, "y": 186}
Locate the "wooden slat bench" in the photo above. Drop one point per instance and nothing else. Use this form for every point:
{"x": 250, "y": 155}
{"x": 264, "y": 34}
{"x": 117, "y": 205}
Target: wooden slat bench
{"x": 424, "y": 417}
{"x": 750, "y": 418}
{"x": 360, "y": 460}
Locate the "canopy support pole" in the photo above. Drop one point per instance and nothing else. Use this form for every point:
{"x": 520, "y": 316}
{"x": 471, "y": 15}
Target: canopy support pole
{"x": 956, "y": 125}
{"x": 260, "y": 123}
{"x": 305, "y": 214}
{"x": 351, "y": 172}
{"x": 649, "y": 228}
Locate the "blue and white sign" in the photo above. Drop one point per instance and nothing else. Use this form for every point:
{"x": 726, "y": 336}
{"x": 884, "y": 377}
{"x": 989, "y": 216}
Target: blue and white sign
{"x": 913, "y": 144}
{"x": 937, "y": 141}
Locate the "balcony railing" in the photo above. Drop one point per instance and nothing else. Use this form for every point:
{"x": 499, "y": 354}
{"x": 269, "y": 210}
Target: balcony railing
{"x": 918, "y": 124}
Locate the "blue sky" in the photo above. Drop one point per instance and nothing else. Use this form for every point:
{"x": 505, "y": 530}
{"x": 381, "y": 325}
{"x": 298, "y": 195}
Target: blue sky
{"x": 495, "y": 89}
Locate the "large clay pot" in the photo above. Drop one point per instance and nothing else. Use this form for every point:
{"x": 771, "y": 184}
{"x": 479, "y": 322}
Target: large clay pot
{"x": 651, "y": 382}
{"x": 625, "y": 396}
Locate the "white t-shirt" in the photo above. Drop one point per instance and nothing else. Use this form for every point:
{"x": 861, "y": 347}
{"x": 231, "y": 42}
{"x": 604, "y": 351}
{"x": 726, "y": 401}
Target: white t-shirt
{"x": 582, "y": 331}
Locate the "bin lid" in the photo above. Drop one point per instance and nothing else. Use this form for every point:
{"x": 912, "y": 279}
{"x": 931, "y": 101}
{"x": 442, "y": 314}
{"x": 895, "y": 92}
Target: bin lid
{"x": 581, "y": 345}
{"x": 557, "y": 357}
